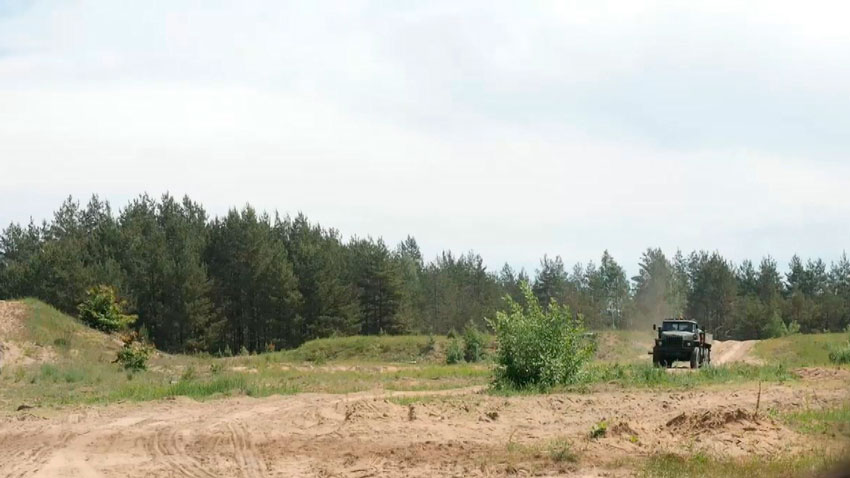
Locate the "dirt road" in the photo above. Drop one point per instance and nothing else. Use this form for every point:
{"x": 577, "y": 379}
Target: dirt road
{"x": 463, "y": 433}
{"x": 728, "y": 351}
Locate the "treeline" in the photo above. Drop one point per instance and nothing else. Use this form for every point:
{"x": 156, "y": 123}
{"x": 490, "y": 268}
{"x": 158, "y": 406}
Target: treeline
{"x": 261, "y": 281}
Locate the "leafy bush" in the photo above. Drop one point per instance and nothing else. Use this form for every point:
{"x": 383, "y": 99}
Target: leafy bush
{"x": 103, "y": 311}
{"x": 134, "y": 354}
{"x": 473, "y": 344}
{"x": 454, "y": 354}
{"x": 841, "y": 354}
{"x": 537, "y": 347}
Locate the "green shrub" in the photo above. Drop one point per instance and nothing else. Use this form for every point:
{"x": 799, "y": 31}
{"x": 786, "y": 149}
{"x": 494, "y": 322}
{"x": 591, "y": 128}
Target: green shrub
{"x": 473, "y": 344}
{"x": 840, "y": 355}
{"x": 536, "y": 347}
{"x": 103, "y": 311}
{"x": 599, "y": 430}
{"x": 454, "y": 354}
{"x": 134, "y": 354}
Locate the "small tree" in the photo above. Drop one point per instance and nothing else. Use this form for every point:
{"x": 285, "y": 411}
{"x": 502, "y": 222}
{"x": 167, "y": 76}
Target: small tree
{"x": 454, "y": 354}
{"x": 134, "y": 354}
{"x": 537, "y": 347}
{"x": 473, "y": 344}
{"x": 103, "y": 311}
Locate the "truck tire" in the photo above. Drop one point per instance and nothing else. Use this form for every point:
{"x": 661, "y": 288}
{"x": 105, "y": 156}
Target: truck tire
{"x": 695, "y": 357}
{"x": 656, "y": 359}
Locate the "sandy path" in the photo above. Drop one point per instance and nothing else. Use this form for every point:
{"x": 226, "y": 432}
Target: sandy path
{"x": 465, "y": 433}
{"x": 727, "y": 351}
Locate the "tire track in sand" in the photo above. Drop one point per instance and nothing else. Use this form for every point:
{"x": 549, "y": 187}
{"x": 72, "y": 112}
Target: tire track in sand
{"x": 166, "y": 445}
{"x": 250, "y": 465}
{"x": 31, "y": 459}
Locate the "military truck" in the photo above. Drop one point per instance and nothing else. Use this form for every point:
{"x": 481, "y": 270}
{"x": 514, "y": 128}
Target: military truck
{"x": 681, "y": 340}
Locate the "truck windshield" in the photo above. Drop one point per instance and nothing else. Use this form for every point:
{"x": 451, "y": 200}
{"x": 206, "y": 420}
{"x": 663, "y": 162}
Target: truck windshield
{"x": 677, "y": 326}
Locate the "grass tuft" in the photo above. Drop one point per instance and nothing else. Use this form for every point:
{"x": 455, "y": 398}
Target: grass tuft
{"x": 700, "y": 465}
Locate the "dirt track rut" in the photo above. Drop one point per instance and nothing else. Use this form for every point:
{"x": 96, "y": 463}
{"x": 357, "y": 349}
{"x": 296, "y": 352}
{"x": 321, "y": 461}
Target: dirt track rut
{"x": 465, "y": 432}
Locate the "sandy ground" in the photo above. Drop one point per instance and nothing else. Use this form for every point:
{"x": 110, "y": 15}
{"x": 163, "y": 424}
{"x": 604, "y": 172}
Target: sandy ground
{"x": 462, "y": 433}
{"x": 449, "y": 433}
{"x": 11, "y": 322}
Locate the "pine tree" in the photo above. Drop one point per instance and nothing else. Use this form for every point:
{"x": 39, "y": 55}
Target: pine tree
{"x": 551, "y": 281}
{"x": 653, "y": 288}
{"x": 615, "y": 289}
{"x": 713, "y": 292}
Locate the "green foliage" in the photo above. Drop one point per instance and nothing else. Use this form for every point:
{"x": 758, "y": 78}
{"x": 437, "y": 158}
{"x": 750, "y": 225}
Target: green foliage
{"x": 454, "y": 352}
{"x": 840, "y": 355}
{"x": 536, "y": 347}
{"x": 133, "y": 356}
{"x": 102, "y": 311}
{"x": 473, "y": 344}
{"x": 254, "y": 280}
{"x": 598, "y": 430}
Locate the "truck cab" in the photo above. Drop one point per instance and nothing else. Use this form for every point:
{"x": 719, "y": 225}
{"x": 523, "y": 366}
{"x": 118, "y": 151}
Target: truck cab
{"x": 681, "y": 340}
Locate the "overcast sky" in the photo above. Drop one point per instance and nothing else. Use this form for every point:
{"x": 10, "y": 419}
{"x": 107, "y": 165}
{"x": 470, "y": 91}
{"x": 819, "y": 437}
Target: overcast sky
{"x": 512, "y": 128}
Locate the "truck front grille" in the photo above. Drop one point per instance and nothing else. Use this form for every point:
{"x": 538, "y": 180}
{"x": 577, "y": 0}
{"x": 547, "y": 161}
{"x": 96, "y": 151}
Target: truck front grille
{"x": 673, "y": 341}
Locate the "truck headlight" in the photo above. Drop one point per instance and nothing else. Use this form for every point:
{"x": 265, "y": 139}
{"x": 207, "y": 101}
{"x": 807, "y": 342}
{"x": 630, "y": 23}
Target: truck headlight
{"x": 687, "y": 344}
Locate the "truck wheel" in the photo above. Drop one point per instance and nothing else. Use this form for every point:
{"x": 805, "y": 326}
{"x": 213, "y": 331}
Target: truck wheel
{"x": 695, "y": 358}
{"x": 656, "y": 359}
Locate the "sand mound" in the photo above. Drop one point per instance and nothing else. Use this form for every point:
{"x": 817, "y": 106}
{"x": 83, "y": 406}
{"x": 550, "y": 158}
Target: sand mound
{"x": 372, "y": 409}
{"x": 709, "y": 420}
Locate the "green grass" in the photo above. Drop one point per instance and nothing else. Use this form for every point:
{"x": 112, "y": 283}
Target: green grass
{"x": 81, "y": 369}
{"x": 704, "y": 466}
{"x": 833, "y": 421}
{"x": 398, "y": 348}
{"x": 801, "y": 349}
{"x": 372, "y": 349}
{"x": 622, "y": 346}
{"x": 645, "y": 375}
{"x": 66, "y": 336}
{"x": 598, "y": 375}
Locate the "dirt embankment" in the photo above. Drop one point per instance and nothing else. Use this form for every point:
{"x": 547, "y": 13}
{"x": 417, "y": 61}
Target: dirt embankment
{"x": 463, "y": 433}
{"x": 12, "y": 316}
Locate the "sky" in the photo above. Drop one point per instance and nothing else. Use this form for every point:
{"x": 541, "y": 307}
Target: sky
{"x": 511, "y": 128}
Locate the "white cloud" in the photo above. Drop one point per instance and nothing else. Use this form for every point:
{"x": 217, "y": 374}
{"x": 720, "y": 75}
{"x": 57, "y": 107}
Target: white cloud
{"x": 515, "y": 130}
